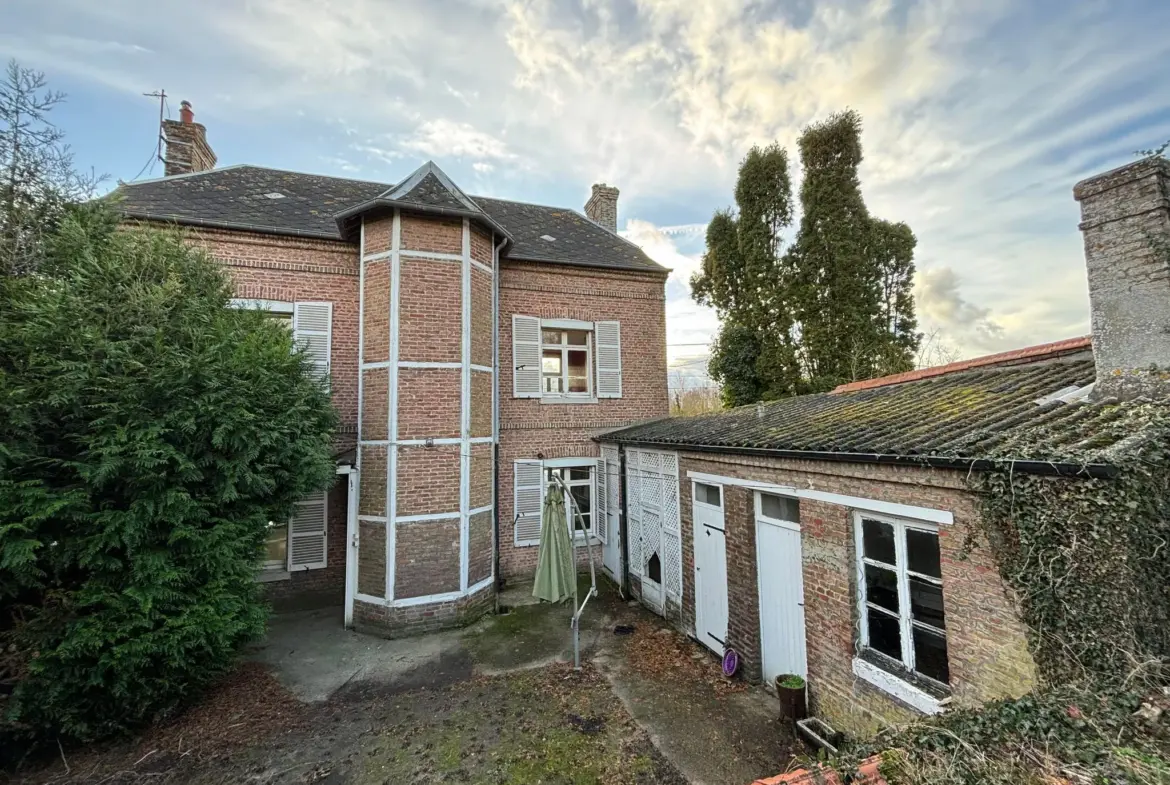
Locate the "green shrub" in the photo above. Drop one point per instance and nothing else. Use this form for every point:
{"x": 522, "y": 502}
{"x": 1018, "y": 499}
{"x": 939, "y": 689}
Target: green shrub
{"x": 148, "y": 433}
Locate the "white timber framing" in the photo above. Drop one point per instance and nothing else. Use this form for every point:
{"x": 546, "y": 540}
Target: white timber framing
{"x": 944, "y": 517}
{"x": 465, "y": 415}
{"x": 392, "y": 425}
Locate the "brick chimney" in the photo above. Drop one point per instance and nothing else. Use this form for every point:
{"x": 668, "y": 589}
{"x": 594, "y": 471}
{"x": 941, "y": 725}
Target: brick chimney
{"x": 187, "y": 148}
{"x": 602, "y": 206}
{"x": 1125, "y": 219}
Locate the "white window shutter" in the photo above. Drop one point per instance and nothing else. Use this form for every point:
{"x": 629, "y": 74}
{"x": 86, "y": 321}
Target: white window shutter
{"x": 601, "y": 508}
{"x": 313, "y": 331}
{"x": 609, "y": 359}
{"x": 525, "y": 356}
{"x": 528, "y": 485}
{"x": 308, "y": 533}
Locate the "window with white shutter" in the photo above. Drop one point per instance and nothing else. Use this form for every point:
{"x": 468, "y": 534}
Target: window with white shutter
{"x": 608, "y": 336}
{"x": 525, "y": 356}
{"x": 313, "y": 331}
{"x": 528, "y": 487}
{"x": 601, "y": 516}
{"x": 307, "y": 533}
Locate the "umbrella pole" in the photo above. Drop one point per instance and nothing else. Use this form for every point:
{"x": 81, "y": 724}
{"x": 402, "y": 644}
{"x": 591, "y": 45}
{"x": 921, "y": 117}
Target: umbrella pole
{"x": 575, "y": 622}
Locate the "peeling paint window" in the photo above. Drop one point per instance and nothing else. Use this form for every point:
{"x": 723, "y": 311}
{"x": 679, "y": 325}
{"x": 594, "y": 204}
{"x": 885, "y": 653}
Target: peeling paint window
{"x": 903, "y": 617}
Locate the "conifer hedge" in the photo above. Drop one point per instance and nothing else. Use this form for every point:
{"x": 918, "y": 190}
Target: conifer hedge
{"x": 148, "y": 433}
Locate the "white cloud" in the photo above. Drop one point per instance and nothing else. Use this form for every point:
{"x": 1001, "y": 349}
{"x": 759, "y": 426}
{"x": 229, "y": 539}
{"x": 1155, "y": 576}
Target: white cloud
{"x": 979, "y": 117}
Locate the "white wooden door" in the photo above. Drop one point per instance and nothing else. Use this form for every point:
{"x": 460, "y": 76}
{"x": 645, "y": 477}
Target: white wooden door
{"x": 710, "y": 566}
{"x": 611, "y": 554}
{"x": 654, "y": 538}
{"x": 781, "y": 583}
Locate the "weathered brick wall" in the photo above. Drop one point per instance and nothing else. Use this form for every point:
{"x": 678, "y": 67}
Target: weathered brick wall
{"x": 987, "y": 646}
{"x": 1126, "y": 224}
{"x": 409, "y": 620}
{"x": 529, "y": 427}
{"x": 426, "y": 558}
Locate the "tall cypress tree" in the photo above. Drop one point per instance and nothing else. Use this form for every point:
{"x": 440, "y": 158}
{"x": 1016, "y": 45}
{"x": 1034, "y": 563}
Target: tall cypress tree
{"x": 742, "y": 279}
{"x": 852, "y": 273}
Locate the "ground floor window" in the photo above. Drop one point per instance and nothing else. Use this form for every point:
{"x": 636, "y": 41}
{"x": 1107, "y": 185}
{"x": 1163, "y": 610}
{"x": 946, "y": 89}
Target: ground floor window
{"x": 276, "y": 546}
{"x": 579, "y": 479}
{"x": 900, "y": 597}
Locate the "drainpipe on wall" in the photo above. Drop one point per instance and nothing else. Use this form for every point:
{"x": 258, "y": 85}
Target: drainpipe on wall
{"x": 625, "y": 578}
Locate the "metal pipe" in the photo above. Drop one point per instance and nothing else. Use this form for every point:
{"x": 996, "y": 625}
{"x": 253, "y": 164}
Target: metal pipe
{"x": 575, "y": 622}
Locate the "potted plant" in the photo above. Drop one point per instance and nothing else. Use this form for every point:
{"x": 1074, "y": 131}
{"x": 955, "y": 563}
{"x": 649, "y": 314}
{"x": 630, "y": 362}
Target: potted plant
{"x": 790, "y": 690}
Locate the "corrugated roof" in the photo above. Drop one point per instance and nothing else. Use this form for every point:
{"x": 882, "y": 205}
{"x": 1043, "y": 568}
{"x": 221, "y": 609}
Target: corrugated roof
{"x": 958, "y": 417}
{"x": 242, "y": 197}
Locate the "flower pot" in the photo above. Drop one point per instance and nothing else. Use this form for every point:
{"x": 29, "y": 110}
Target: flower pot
{"x": 793, "y": 704}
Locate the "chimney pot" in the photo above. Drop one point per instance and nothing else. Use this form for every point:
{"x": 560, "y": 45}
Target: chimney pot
{"x": 602, "y": 206}
{"x": 186, "y": 114}
{"x": 187, "y": 149}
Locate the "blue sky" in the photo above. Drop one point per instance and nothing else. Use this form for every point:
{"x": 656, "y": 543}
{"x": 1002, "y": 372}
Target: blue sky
{"x": 979, "y": 116}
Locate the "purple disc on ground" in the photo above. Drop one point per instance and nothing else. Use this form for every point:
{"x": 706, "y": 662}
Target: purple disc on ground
{"x": 730, "y": 662}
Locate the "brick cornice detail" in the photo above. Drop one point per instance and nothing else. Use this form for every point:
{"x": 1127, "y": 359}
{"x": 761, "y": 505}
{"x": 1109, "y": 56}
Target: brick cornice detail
{"x": 581, "y": 291}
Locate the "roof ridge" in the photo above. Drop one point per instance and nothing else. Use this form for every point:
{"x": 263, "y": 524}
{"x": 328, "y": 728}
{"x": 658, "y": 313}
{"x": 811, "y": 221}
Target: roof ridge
{"x": 218, "y": 169}
{"x": 1038, "y": 351}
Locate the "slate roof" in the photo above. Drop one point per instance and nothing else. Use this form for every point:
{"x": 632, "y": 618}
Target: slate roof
{"x": 955, "y": 419}
{"x": 236, "y": 197}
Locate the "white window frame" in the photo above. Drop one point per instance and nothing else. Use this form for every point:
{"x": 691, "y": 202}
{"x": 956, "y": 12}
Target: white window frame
{"x": 564, "y": 326}
{"x": 276, "y": 306}
{"x": 903, "y": 574}
{"x": 783, "y": 523}
{"x": 576, "y": 463}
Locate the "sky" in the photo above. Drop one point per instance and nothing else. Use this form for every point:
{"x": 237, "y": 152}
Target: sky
{"x": 979, "y": 117}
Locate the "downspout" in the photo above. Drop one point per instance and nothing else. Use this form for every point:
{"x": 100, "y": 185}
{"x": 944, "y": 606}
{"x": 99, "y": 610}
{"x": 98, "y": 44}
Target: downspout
{"x": 496, "y": 409}
{"x": 625, "y": 578}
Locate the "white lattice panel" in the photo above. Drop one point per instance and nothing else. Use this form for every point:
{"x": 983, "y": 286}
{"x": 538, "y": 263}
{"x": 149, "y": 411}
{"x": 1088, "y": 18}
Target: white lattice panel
{"x": 651, "y": 491}
{"x": 651, "y": 462}
{"x": 634, "y": 514}
{"x": 669, "y": 464}
{"x": 670, "y": 504}
{"x": 672, "y": 565}
{"x": 634, "y": 526}
{"x": 651, "y": 538}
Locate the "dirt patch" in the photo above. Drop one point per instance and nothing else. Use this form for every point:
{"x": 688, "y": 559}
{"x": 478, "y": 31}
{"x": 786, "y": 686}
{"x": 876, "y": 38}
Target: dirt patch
{"x": 549, "y": 725}
{"x": 661, "y": 652}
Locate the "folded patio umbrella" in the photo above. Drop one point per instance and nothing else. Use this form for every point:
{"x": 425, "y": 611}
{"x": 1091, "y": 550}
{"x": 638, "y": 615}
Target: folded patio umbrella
{"x": 556, "y": 578}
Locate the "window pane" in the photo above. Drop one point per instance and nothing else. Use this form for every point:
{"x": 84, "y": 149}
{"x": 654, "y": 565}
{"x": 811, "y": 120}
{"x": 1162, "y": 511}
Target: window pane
{"x": 885, "y": 634}
{"x": 708, "y": 494}
{"x": 554, "y": 384}
{"x": 581, "y": 498}
{"x": 922, "y": 553}
{"x": 550, "y": 362}
{"x": 881, "y": 587}
{"x": 926, "y": 603}
{"x": 276, "y": 543}
{"x": 578, "y": 337}
{"x": 878, "y": 540}
{"x": 580, "y": 473}
{"x": 930, "y": 655}
{"x": 781, "y": 508}
{"x": 550, "y": 336}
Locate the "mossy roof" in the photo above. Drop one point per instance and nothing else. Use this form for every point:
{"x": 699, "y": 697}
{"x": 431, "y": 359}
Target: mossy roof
{"x": 988, "y": 413}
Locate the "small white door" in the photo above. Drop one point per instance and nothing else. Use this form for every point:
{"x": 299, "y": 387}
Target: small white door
{"x": 351, "y": 552}
{"x": 710, "y": 566}
{"x": 781, "y": 583}
{"x": 611, "y": 553}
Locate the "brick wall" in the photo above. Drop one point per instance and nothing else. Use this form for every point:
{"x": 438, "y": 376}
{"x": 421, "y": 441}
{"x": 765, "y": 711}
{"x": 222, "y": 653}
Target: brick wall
{"x": 322, "y": 587}
{"x": 528, "y": 426}
{"x": 987, "y": 646}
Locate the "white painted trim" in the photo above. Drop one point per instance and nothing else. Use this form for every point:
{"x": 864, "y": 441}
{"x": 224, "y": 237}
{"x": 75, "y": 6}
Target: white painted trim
{"x": 557, "y": 463}
{"x": 431, "y": 256}
{"x": 483, "y": 267}
{"x": 374, "y": 366}
{"x": 354, "y": 519}
{"x": 444, "y": 441}
{"x": 352, "y": 543}
{"x": 392, "y": 413}
{"x": 427, "y": 516}
{"x": 375, "y": 442}
{"x": 891, "y": 685}
{"x": 420, "y": 364}
{"x": 482, "y": 368}
{"x": 480, "y": 510}
{"x": 758, "y": 502}
{"x": 465, "y": 412}
{"x": 565, "y": 398}
{"x": 375, "y": 257}
{"x": 477, "y": 588}
{"x": 373, "y": 518}
{"x": 566, "y": 324}
{"x": 855, "y": 502}
{"x": 276, "y": 306}
{"x": 273, "y": 575}
{"x": 427, "y": 599}
{"x": 371, "y": 599}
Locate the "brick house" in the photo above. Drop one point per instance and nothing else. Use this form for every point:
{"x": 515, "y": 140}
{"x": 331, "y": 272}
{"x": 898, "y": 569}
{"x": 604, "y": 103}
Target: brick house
{"x": 835, "y": 536}
{"x": 474, "y": 347}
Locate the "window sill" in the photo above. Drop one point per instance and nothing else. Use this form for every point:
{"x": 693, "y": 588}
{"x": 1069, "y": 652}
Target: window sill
{"x": 271, "y": 576}
{"x": 896, "y": 687}
{"x": 566, "y": 399}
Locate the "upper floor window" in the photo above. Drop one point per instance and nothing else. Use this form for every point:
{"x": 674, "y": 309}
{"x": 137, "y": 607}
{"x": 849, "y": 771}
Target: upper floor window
{"x": 566, "y": 360}
{"x": 311, "y": 324}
